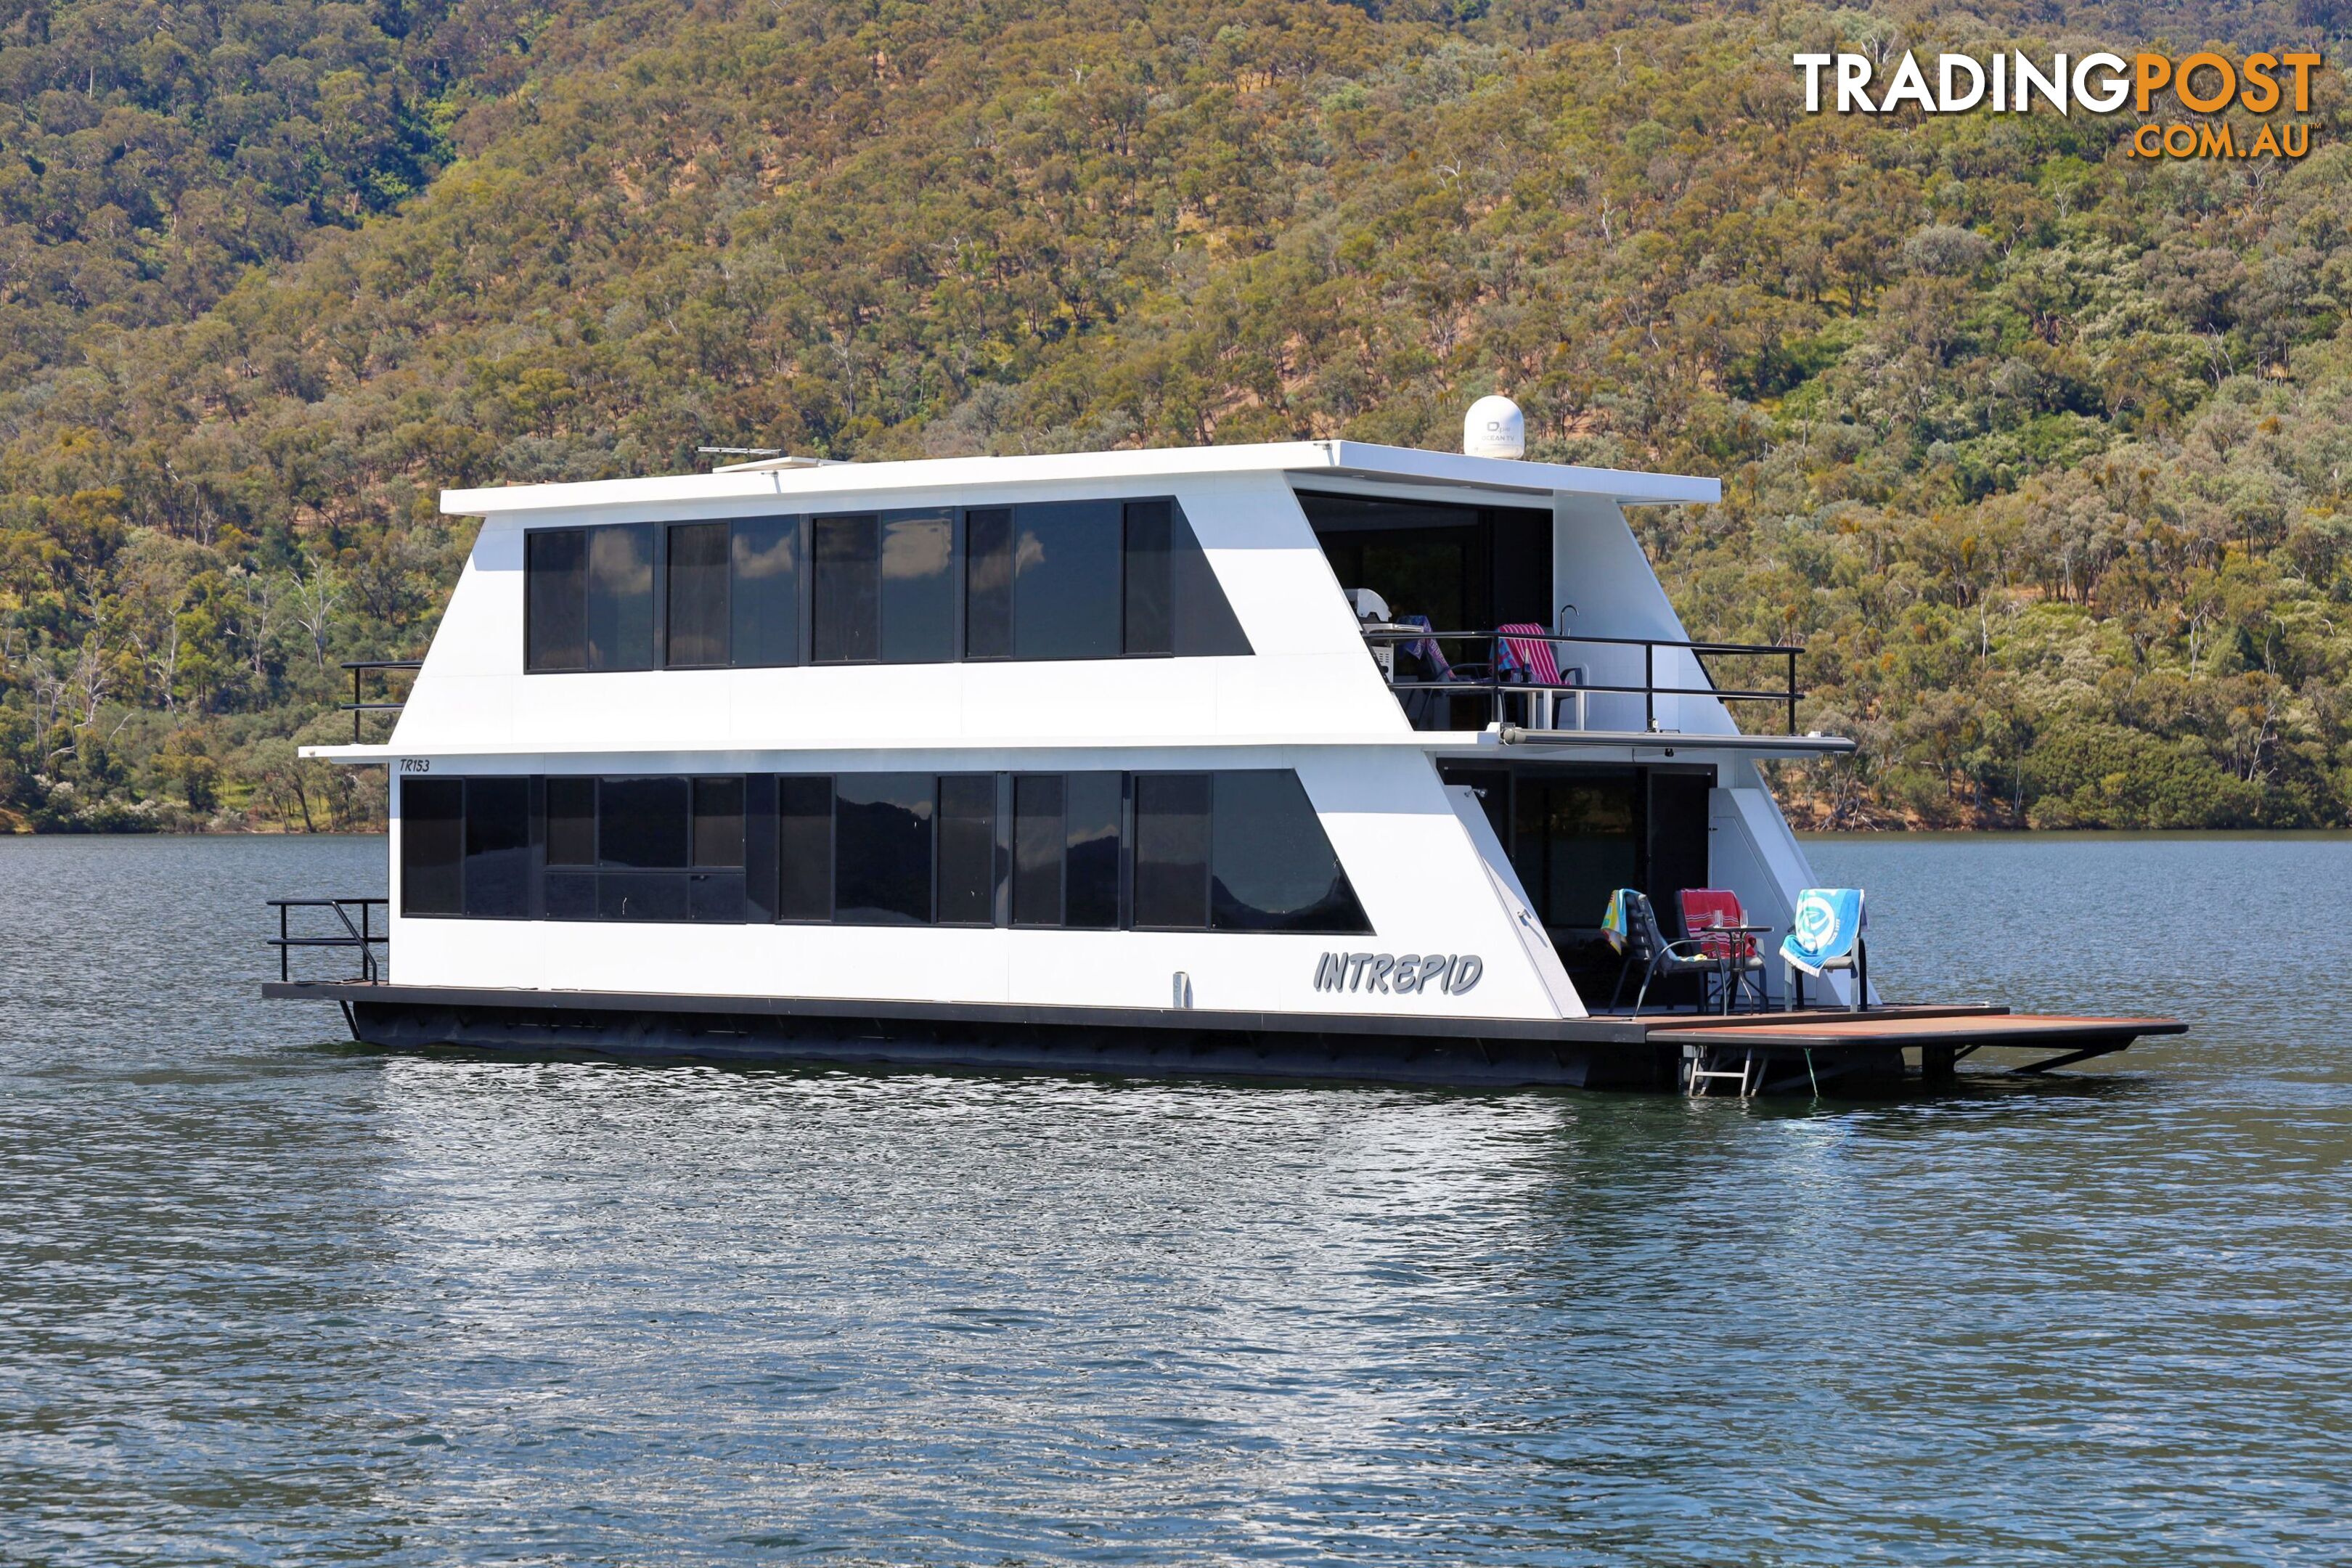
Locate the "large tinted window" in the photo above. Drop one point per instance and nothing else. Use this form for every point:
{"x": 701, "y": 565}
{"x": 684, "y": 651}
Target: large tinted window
{"x": 1039, "y": 840}
{"x": 1576, "y": 839}
{"x": 1049, "y": 580}
{"x": 764, "y": 595}
{"x": 1090, "y": 870}
{"x": 1201, "y": 620}
{"x": 988, "y": 583}
{"x": 804, "y": 848}
{"x": 572, "y": 822}
{"x": 621, "y": 597}
{"x": 1171, "y": 850}
{"x": 498, "y": 848}
{"x": 1067, "y": 586}
{"x": 1230, "y": 851}
{"x": 918, "y": 588}
{"x": 432, "y": 847}
{"x": 760, "y": 847}
{"x": 1151, "y": 628}
{"x": 968, "y": 849}
{"x": 719, "y": 823}
{"x": 1271, "y": 868}
{"x": 848, "y": 603}
{"x": 568, "y": 894}
{"x": 882, "y": 849}
{"x": 698, "y": 567}
{"x": 643, "y": 823}
{"x": 717, "y": 888}
{"x": 555, "y": 605}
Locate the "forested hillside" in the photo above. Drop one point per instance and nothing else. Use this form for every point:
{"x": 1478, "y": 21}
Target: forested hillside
{"x": 2041, "y": 451}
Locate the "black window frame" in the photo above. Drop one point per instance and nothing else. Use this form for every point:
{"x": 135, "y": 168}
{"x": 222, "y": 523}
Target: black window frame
{"x": 1166, "y": 600}
{"x": 772, "y": 816}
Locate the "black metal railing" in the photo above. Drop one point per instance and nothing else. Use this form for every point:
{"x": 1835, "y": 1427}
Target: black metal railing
{"x": 1484, "y": 668}
{"x": 358, "y": 706}
{"x": 362, "y": 937}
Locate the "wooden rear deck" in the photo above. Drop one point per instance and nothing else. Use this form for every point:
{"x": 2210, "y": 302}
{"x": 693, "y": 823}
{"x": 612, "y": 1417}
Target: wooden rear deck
{"x": 1943, "y": 1036}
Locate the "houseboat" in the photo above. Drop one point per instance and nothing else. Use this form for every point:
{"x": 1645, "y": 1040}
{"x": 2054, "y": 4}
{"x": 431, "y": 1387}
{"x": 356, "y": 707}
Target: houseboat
{"x": 1304, "y": 759}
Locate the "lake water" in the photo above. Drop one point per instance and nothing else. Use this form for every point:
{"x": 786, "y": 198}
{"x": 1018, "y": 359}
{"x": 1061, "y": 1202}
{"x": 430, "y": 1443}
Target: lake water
{"x": 268, "y": 1299}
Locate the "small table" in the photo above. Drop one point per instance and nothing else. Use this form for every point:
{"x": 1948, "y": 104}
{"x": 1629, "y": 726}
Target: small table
{"x": 1734, "y": 966}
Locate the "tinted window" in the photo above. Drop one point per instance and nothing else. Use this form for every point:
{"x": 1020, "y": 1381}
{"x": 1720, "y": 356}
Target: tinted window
{"x": 1148, "y": 625}
{"x": 1090, "y": 870}
{"x": 848, "y": 590}
{"x": 569, "y": 895}
{"x": 498, "y": 848}
{"x": 643, "y": 821}
{"x": 1067, "y": 587}
{"x": 804, "y": 848}
{"x": 698, "y": 620}
{"x": 1171, "y": 850}
{"x": 715, "y": 897}
{"x": 764, "y": 598}
{"x": 988, "y": 583}
{"x": 1203, "y": 622}
{"x": 572, "y": 822}
{"x": 1577, "y": 839}
{"x": 882, "y": 849}
{"x": 432, "y": 847}
{"x": 968, "y": 849}
{"x": 620, "y": 597}
{"x": 718, "y": 822}
{"x": 1271, "y": 868}
{"x": 760, "y": 847}
{"x": 917, "y": 589}
{"x": 1038, "y": 841}
{"x": 555, "y": 615}
{"x": 641, "y": 897}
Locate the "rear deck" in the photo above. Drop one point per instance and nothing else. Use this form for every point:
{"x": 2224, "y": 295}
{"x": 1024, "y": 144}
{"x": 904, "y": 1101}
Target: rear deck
{"x": 1855, "y": 1052}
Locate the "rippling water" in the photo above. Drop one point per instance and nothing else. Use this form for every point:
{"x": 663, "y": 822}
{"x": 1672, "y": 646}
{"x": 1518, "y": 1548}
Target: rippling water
{"x": 264, "y": 1297}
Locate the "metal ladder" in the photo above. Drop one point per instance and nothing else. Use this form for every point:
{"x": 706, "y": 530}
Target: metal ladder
{"x": 1705, "y": 1074}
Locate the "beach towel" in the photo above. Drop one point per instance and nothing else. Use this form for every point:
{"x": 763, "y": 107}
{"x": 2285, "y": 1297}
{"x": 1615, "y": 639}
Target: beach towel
{"x": 1827, "y": 922}
{"x": 1617, "y": 921}
{"x": 1525, "y": 651}
{"x": 1425, "y": 648}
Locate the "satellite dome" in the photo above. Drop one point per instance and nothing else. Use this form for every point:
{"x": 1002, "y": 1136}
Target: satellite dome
{"x": 1495, "y": 428}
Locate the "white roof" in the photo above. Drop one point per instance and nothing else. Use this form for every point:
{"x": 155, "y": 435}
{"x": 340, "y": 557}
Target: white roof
{"x": 1338, "y": 459}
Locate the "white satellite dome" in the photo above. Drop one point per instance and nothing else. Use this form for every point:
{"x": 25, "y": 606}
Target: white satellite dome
{"x": 1495, "y": 428}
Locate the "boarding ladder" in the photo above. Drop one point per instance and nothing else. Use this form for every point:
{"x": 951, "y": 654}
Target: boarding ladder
{"x": 1706, "y": 1069}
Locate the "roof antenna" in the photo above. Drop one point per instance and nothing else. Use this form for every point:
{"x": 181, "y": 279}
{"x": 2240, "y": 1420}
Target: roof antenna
{"x": 1495, "y": 428}
{"x": 740, "y": 451}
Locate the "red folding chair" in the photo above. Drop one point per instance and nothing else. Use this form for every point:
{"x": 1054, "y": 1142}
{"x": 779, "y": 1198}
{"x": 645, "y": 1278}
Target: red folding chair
{"x": 1706, "y": 911}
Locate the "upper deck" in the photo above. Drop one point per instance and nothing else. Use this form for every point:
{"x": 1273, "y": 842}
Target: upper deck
{"x": 900, "y": 592}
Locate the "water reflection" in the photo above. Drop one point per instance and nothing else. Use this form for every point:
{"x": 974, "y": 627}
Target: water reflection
{"x": 272, "y": 1298}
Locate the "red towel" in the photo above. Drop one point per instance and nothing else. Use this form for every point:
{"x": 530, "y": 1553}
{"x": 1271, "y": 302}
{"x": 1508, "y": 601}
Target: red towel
{"x": 1531, "y": 647}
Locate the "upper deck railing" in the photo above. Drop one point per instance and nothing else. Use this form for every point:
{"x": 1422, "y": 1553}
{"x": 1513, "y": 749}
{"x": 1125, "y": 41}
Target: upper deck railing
{"x": 357, "y": 707}
{"x": 1495, "y": 665}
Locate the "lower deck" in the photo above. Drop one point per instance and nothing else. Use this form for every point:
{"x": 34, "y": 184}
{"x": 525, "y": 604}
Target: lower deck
{"x": 1873, "y": 1051}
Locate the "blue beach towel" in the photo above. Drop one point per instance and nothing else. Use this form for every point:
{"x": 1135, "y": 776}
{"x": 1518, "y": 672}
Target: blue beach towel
{"x": 1827, "y": 923}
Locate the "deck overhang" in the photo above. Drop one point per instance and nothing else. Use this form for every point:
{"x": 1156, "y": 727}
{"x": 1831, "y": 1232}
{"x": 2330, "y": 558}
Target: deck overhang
{"x": 1301, "y": 460}
{"x": 1602, "y": 745}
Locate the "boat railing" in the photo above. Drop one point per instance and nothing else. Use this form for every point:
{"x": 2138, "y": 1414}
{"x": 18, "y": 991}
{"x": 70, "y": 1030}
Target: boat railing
{"x": 1474, "y": 663}
{"x": 362, "y": 936}
{"x": 359, "y": 707}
